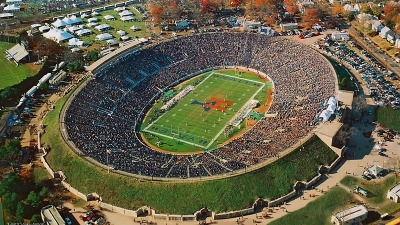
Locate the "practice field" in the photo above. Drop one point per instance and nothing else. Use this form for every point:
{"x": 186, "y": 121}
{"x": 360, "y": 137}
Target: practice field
{"x": 201, "y": 116}
{"x": 10, "y": 73}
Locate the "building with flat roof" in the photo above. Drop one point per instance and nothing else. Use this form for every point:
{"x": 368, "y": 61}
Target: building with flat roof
{"x": 51, "y": 216}
{"x": 349, "y": 216}
{"x": 394, "y": 193}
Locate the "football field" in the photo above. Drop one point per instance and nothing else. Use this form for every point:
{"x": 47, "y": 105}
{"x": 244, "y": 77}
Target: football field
{"x": 201, "y": 116}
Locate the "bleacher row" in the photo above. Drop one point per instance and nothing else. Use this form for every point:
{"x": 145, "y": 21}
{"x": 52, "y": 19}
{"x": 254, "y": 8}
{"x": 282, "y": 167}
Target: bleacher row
{"x": 104, "y": 113}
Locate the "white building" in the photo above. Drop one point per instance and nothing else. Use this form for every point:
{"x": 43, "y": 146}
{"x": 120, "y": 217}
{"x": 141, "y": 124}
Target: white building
{"x": 289, "y": 26}
{"x": 248, "y": 25}
{"x": 394, "y": 193}
{"x": 392, "y": 37}
{"x": 355, "y": 9}
{"x": 350, "y": 216}
{"x": 340, "y": 36}
{"x": 304, "y": 4}
{"x": 377, "y": 26}
{"x": 384, "y": 32}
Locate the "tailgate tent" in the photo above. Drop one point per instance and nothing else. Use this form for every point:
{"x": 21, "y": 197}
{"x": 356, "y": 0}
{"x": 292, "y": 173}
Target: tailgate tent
{"x": 105, "y": 36}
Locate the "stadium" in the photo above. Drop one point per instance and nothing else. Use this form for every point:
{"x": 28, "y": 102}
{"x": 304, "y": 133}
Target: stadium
{"x": 105, "y": 118}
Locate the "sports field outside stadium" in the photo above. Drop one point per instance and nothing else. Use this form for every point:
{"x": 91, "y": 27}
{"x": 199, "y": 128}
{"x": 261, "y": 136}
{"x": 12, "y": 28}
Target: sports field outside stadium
{"x": 198, "y": 120}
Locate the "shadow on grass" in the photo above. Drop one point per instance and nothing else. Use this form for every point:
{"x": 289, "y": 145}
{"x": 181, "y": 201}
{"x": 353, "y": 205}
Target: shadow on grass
{"x": 373, "y": 216}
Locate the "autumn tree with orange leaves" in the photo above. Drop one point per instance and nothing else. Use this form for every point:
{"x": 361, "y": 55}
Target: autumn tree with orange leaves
{"x": 156, "y": 12}
{"x": 311, "y": 16}
{"x": 392, "y": 16}
{"x": 336, "y": 10}
{"x": 291, "y": 6}
{"x": 208, "y": 6}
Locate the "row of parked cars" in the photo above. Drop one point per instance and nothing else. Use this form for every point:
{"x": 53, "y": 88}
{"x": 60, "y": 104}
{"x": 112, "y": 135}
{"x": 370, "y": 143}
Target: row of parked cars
{"x": 379, "y": 80}
{"x": 91, "y": 218}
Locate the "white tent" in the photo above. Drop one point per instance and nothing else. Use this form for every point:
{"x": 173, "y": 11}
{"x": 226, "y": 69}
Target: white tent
{"x": 125, "y": 13}
{"x": 127, "y": 18}
{"x": 73, "y": 41}
{"x": 95, "y": 13}
{"x": 58, "y": 35}
{"x": 143, "y": 40}
{"x": 377, "y": 147}
{"x": 125, "y": 38}
{"x": 91, "y": 24}
{"x": 32, "y": 91}
{"x": 92, "y": 20}
{"x": 112, "y": 42}
{"x": 44, "y": 28}
{"x": 68, "y": 21}
{"x": 75, "y": 50}
{"x": 36, "y": 25}
{"x": 331, "y": 108}
{"x": 102, "y": 27}
{"x": 332, "y": 101}
{"x": 75, "y": 20}
{"x": 85, "y": 15}
{"x": 325, "y": 115}
{"x": 134, "y": 28}
{"x": 109, "y": 17}
{"x": 121, "y": 33}
{"x": 105, "y": 36}
{"x": 82, "y": 26}
{"x": 73, "y": 29}
{"x": 59, "y": 23}
{"x": 83, "y": 32}
{"x": 119, "y": 9}
{"x": 375, "y": 170}
{"x": 12, "y": 8}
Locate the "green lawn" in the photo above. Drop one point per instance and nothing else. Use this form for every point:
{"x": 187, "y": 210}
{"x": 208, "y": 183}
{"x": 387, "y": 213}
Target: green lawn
{"x": 10, "y": 73}
{"x": 342, "y": 73}
{"x": 317, "y": 212}
{"x": 223, "y": 195}
{"x": 194, "y": 120}
{"x": 117, "y": 25}
{"x": 388, "y": 117}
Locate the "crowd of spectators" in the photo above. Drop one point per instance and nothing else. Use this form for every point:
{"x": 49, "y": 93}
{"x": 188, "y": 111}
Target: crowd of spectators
{"x": 104, "y": 114}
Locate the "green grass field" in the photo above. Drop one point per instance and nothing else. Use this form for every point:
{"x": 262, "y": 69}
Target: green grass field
{"x": 117, "y": 25}
{"x": 10, "y": 73}
{"x": 389, "y": 117}
{"x": 341, "y": 73}
{"x": 198, "y": 119}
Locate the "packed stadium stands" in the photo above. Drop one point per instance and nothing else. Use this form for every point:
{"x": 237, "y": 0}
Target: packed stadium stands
{"x": 105, "y": 113}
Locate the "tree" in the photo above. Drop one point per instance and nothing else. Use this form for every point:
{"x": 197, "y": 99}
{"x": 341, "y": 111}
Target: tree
{"x": 336, "y": 10}
{"x": 92, "y": 55}
{"x": 377, "y": 11}
{"x": 20, "y": 211}
{"x": 10, "y": 202}
{"x": 44, "y": 86}
{"x": 36, "y": 219}
{"x": 311, "y": 16}
{"x": 44, "y": 192}
{"x": 75, "y": 66}
{"x": 33, "y": 199}
{"x": 291, "y": 6}
{"x": 156, "y": 11}
{"x": 236, "y": 3}
{"x": 7, "y": 93}
{"x": 10, "y": 153}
